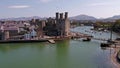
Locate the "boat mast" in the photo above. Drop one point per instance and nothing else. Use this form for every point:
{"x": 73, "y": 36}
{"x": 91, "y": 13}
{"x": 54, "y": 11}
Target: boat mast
{"x": 111, "y": 31}
{"x": 111, "y": 34}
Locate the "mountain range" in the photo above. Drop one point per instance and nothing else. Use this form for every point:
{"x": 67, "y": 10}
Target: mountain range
{"x": 78, "y": 17}
{"x": 82, "y": 17}
{"x": 24, "y": 18}
{"x": 86, "y": 17}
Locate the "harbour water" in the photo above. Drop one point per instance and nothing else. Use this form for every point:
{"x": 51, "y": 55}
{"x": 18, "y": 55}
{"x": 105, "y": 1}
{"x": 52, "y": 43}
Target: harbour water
{"x": 62, "y": 54}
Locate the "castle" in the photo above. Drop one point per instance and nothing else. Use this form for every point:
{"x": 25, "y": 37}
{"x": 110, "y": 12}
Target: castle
{"x": 60, "y": 26}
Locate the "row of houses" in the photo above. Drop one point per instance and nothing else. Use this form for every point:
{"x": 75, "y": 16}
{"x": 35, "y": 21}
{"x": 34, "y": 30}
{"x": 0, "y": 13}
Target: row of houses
{"x": 12, "y": 29}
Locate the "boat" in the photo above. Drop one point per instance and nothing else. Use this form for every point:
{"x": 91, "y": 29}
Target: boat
{"x": 109, "y": 41}
{"x": 87, "y": 39}
{"x": 118, "y": 39}
{"x": 105, "y": 44}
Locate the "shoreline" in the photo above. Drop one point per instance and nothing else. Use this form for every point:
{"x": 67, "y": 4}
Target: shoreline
{"x": 47, "y": 38}
{"x": 114, "y": 57}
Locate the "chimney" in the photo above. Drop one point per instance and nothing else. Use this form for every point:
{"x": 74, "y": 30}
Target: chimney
{"x": 66, "y": 15}
{"x": 61, "y": 15}
{"x": 57, "y": 15}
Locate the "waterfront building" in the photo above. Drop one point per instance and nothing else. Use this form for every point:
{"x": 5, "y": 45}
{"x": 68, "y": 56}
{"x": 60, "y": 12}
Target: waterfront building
{"x": 2, "y": 35}
{"x": 38, "y": 25}
{"x": 9, "y": 32}
{"x": 27, "y": 36}
{"x": 33, "y": 33}
{"x": 40, "y": 32}
{"x": 12, "y": 29}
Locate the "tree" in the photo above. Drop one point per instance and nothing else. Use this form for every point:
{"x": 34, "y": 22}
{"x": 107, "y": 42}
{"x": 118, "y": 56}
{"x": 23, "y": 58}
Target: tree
{"x": 116, "y": 26}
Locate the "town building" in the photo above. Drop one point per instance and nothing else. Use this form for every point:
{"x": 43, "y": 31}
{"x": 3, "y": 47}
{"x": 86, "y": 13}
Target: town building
{"x": 12, "y": 29}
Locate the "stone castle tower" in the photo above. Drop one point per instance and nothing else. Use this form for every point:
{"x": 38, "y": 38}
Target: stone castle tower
{"x": 63, "y": 23}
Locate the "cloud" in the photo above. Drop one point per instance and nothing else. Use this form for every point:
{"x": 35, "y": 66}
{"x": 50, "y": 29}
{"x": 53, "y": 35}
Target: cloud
{"x": 19, "y": 6}
{"x": 45, "y": 1}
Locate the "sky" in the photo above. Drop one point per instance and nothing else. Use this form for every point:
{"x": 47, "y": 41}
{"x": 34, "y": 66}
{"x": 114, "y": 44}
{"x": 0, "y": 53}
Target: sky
{"x": 48, "y": 8}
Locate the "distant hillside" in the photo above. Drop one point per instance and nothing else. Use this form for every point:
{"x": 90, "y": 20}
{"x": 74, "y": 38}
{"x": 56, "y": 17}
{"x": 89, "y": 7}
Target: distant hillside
{"x": 110, "y": 19}
{"x": 86, "y": 17}
{"x": 114, "y": 17}
{"x": 24, "y": 18}
{"x": 78, "y": 17}
{"x": 82, "y": 17}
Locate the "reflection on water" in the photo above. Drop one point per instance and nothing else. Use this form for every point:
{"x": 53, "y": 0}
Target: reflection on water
{"x": 14, "y": 46}
{"x": 62, "y": 51}
{"x": 63, "y": 54}
{"x": 28, "y": 55}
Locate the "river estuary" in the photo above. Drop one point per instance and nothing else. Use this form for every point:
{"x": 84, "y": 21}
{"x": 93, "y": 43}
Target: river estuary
{"x": 62, "y": 54}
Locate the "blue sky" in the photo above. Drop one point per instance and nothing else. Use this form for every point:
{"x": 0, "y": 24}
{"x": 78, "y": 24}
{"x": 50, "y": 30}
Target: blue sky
{"x": 47, "y": 8}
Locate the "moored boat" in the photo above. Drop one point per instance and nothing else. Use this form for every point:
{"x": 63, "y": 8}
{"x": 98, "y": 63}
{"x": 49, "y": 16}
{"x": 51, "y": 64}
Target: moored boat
{"x": 87, "y": 39}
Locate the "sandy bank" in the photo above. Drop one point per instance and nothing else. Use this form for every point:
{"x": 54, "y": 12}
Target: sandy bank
{"x": 114, "y": 57}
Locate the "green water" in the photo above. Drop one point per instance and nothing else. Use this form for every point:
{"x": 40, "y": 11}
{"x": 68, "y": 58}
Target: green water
{"x": 63, "y": 54}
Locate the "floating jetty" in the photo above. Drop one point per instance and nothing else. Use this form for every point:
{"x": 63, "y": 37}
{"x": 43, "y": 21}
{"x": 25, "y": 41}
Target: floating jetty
{"x": 51, "y": 41}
